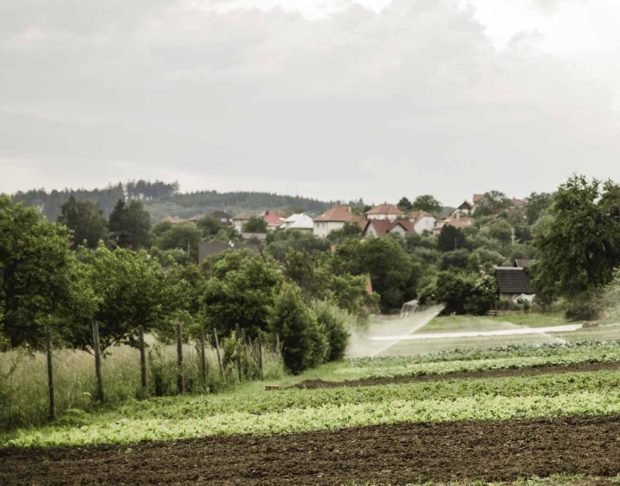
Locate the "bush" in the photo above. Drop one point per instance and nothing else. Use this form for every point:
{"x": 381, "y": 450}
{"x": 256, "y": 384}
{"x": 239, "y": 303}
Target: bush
{"x": 303, "y": 343}
{"x": 332, "y": 319}
{"x": 584, "y": 308}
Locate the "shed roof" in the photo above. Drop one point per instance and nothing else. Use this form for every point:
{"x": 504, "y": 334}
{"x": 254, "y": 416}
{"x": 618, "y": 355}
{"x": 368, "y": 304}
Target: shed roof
{"x": 384, "y": 208}
{"x": 512, "y": 280}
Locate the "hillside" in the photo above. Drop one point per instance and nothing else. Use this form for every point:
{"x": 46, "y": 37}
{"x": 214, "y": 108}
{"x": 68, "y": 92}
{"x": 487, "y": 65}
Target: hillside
{"x": 163, "y": 199}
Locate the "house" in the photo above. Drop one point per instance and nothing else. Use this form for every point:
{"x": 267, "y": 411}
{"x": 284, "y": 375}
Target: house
{"x": 422, "y": 221}
{"x": 381, "y": 227}
{"x": 465, "y": 209}
{"x": 513, "y": 283}
{"x": 240, "y": 219}
{"x": 299, "y": 222}
{"x": 222, "y": 216}
{"x": 384, "y": 211}
{"x": 273, "y": 220}
{"x": 207, "y": 249}
{"x": 334, "y": 219}
{"x": 177, "y": 221}
{"x": 461, "y": 222}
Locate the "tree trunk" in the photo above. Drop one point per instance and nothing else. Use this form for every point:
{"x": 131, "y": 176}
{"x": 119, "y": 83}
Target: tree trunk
{"x": 97, "y": 350}
{"x": 180, "y": 374}
{"x": 219, "y": 357}
{"x": 50, "y": 374}
{"x": 143, "y": 369}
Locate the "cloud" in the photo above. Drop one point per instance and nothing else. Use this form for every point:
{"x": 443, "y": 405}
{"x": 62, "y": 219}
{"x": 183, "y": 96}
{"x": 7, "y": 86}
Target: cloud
{"x": 407, "y": 100}
{"x": 552, "y": 6}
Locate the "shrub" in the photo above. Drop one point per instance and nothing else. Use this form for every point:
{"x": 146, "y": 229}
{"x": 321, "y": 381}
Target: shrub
{"x": 332, "y": 319}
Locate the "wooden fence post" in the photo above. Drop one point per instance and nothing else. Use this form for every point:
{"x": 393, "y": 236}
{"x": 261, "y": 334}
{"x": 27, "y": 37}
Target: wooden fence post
{"x": 203, "y": 359}
{"x": 219, "y": 357}
{"x": 180, "y": 374}
{"x": 143, "y": 369}
{"x": 50, "y": 374}
{"x": 239, "y": 347}
{"x": 260, "y": 355}
{"x": 98, "y": 371}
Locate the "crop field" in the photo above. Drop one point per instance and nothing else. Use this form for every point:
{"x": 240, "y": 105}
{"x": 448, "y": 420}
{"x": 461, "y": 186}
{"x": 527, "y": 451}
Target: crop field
{"x": 546, "y": 414}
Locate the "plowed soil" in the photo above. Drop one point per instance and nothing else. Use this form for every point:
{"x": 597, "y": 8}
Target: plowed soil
{"x": 394, "y": 454}
{"x": 532, "y": 371}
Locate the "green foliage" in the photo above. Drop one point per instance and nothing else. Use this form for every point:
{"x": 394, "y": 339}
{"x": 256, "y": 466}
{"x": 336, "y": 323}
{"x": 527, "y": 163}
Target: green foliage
{"x": 391, "y": 270}
{"x": 427, "y": 203}
{"x": 256, "y": 224}
{"x": 280, "y": 242}
{"x": 185, "y": 237}
{"x": 333, "y": 320}
{"x": 130, "y": 225}
{"x": 303, "y": 338}
{"x": 492, "y": 202}
{"x": 536, "y": 204}
{"x": 241, "y": 289}
{"x": 456, "y": 259}
{"x": 579, "y": 242}
{"x": 349, "y": 231}
{"x": 34, "y": 272}
{"x": 451, "y": 238}
{"x": 85, "y": 221}
{"x": 405, "y": 204}
{"x": 210, "y": 226}
{"x": 461, "y": 293}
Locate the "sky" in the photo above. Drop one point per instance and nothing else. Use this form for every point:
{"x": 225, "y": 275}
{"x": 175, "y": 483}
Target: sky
{"x": 331, "y": 99}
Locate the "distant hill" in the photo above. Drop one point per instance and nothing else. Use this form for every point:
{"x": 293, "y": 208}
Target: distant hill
{"x": 163, "y": 199}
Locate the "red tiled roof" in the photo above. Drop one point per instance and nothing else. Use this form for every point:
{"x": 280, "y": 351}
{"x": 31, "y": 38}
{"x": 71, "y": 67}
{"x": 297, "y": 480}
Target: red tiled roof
{"x": 272, "y": 218}
{"x": 459, "y": 222}
{"x": 384, "y": 208}
{"x": 341, "y": 214}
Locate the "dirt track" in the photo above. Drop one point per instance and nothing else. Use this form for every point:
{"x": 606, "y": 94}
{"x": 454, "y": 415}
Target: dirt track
{"x": 531, "y": 371}
{"x": 393, "y": 454}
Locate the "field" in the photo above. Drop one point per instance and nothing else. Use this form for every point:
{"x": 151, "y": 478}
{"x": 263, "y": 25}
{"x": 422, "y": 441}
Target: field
{"x": 513, "y": 414}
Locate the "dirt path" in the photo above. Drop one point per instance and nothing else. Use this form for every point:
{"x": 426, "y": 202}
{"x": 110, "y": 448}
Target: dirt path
{"x": 396, "y": 454}
{"x": 532, "y": 371}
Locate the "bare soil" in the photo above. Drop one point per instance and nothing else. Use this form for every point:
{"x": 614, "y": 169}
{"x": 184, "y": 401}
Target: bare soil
{"x": 531, "y": 371}
{"x": 388, "y": 454}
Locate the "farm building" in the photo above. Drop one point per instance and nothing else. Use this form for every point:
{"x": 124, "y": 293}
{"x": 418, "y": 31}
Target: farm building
{"x": 513, "y": 283}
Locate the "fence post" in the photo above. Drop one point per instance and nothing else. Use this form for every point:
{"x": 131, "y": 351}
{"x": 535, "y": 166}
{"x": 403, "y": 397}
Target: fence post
{"x": 97, "y": 350}
{"x": 143, "y": 369}
{"x": 239, "y": 346}
{"x": 260, "y": 355}
{"x": 219, "y": 357}
{"x": 203, "y": 359}
{"x": 180, "y": 374}
{"x": 50, "y": 374}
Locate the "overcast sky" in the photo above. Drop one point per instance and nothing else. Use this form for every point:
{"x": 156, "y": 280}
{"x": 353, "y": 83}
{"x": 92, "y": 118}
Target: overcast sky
{"x": 332, "y": 99}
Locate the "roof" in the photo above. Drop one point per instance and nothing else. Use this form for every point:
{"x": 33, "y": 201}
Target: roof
{"x": 175, "y": 220}
{"x": 243, "y": 216}
{"x": 524, "y": 262}
{"x": 512, "y": 280}
{"x": 384, "y": 208}
{"x": 298, "y": 221}
{"x": 458, "y": 222}
{"x": 465, "y": 205}
{"x": 416, "y": 216}
{"x": 383, "y": 227}
{"x": 221, "y": 215}
{"x": 341, "y": 214}
{"x": 272, "y": 219}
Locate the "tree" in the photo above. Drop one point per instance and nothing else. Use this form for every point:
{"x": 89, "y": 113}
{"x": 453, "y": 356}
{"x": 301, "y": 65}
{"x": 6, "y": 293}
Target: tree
{"x": 536, "y": 204}
{"x": 451, "y": 238}
{"x": 86, "y": 222}
{"x": 427, "y": 203}
{"x": 304, "y": 342}
{"x": 405, "y": 204}
{"x": 492, "y": 202}
{"x": 384, "y": 259}
{"x": 34, "y": 272}
{"x": 332, "y": 320}
{"x": 182, "y": 236}
{"x": 255, "y": 224}
{"x": 348, "y": 231}
{"x": 579, "y": 242}
{"x": 241, "y": 288}
{"x": 210, "y": 226}
{"x": 130, "y": 225}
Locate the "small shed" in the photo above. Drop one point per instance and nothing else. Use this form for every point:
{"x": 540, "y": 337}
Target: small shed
{"x": 513, "y": 282}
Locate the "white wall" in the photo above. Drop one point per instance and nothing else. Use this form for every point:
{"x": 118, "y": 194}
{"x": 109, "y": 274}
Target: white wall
{"x": 323, "y": 228}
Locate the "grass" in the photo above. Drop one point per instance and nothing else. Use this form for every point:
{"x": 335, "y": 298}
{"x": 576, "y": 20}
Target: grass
{"x": 251, "y": 409}
{"x": 23, "y": 380}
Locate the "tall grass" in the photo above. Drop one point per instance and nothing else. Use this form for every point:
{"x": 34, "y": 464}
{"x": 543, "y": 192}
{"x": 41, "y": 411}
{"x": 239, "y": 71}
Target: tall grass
{"x": 23, "y": 379}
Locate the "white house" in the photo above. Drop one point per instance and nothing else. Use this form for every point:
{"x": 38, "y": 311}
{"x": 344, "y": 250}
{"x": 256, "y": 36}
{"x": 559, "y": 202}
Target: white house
{"x": 384, "y": 211}
{"x": 422, "y": 221}
{"x": 334, "y": 219}
{"x": 299, "y": 222}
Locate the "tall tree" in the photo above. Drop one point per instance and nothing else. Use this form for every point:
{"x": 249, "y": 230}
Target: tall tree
{"x": 579, "y": 242}
{"x": 405, "y": 204}
{"x": 428, "y": 203}
{"x": 536, "y": 204}
{"x": 34, "y": 263}
{"x": 130, "y": 225}
{"x": 492, "y": 202}
{"x": 85, "y": 220}
{"x": 451, "y": 238}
